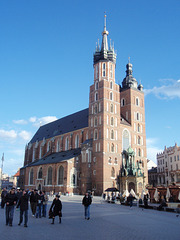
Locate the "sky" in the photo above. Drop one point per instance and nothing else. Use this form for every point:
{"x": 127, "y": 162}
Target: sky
{"x": 46, "y": 65}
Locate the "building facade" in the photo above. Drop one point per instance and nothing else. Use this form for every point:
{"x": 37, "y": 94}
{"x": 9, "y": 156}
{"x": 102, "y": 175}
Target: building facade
{"x": 84, "y": 151}
{"x": 168, "y": 166}
{"x": 152, "y": 177}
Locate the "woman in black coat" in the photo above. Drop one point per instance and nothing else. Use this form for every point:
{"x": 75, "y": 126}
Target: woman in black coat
{"x": 55, "y": 209}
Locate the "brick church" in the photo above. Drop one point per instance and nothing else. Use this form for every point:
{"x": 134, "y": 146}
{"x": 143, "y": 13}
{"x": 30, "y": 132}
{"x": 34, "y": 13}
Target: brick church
{"x": 98, "y": 147}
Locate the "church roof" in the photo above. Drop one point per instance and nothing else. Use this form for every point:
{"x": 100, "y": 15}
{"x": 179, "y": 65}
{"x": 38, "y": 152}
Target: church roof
{"x": 57, "y": 157}
{"x": 61, "y": 126}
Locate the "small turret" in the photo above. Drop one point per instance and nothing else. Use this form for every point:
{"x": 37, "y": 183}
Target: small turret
{"x": 129, "y": 81}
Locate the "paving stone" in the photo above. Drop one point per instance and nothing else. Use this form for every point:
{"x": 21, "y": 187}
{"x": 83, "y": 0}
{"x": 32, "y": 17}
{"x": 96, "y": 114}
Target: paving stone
{"x": 108, "y": 221}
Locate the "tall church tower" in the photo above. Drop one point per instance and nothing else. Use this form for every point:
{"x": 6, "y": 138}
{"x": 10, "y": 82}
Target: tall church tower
{"x": 116, "y": 119}
{"x": 104, "y": 116}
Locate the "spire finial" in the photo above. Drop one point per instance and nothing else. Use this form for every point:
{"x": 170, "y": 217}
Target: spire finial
{"x": 128, "y": 59}
{"x": 104, "y": 21}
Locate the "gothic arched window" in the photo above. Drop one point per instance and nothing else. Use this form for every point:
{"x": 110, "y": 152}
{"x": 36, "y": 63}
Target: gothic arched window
{"x": 40, "y": 173}
{"x": 67, "y": 144}
{"x": 58, "y": 146}
{"x": 77, "y": 141}
{"x": 112, "y": 108}
{"x": 31, "y": 176}
{"x": 48, "y": 146}
{"x": 73, "y": 180}
{"x": 49, "y": 176}
{"x": 111, "y": 96}
{"x": 112, "y": 134}
{"x": 126, "y": 140}
{"x": 60, "y": 175}
{"x": 112, "y": 121}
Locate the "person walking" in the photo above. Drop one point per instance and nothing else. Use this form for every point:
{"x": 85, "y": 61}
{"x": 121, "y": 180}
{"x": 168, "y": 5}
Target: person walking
{"x": 39, "y": 205}
{"x": 23, "y": 204}
{"x": 56, "y": 209}
{"x": 33, "y": 201}
{"x": 18, "y": 194}
{"x": 3, "y": 195}
{"x": 10, "y": 201}
{"x": 87, "y": 202}
{"x": 45, "y": 201}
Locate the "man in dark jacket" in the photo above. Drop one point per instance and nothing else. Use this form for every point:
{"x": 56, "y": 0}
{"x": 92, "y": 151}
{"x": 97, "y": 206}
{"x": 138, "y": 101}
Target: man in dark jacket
{"x": 3, "y": 195}
{"x": 23, "y": 203}
{"x": 10, "y": 201}
{"x": 87, "y": 202}
{"x": 33, "y": 201}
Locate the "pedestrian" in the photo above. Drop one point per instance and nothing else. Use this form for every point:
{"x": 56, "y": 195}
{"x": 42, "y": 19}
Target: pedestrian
{"x": 10, "y": 201}
{"x": 18, "y": 194}
{"x": 56, "y": 209}
{"x": 45, "y": 201}
{"x": 23, "y": 204}
{"x": 33, "y": 201}
{"x": 3, "y": 195}
{"x": 130, "y": 200}
{"x": 146, "y": 200}
{"x": 39, "y": 204}
{"x": 87, "y": 202}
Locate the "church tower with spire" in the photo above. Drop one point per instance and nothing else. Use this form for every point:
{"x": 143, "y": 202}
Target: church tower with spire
{"x": 104, "y": 116}
{"x": 116, "y": 118}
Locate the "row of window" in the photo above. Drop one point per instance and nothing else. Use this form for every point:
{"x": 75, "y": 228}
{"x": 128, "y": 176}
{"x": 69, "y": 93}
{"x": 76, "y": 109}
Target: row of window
{"x": 97, "y": 85}
{"x": 96, "y": 98}
{"x": 160, "y": 162}
{"x": 110, "y": 161}
{"x": 49, "y": 178}
{"x": 95, "y": 122}
{"x": 58, "y": 145}
{"x": 172, "y": 168}
{"x": 103, "y": 66}
{"x": 123, "y": 102}
{"x": 97, "y": 108}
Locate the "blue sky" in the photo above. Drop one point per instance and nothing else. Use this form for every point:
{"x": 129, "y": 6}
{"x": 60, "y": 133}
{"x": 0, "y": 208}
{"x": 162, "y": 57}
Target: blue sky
{"x": 46, "y": 64}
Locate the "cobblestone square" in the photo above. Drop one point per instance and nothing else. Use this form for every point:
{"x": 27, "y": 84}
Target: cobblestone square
{"x": 108, "y": 221}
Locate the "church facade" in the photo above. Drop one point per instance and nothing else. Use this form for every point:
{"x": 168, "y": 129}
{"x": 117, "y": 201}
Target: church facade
{"x": 88, "y": 150}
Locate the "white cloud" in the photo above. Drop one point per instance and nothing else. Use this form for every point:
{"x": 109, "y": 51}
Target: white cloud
{"x": 42, "y": 121}
{"x": 20, "y": 122}
{"x": 152, "y": 149}
{"x": 18, "y": 152}
{"x": 171, "y": 90}
{"x": 32, "y": 119}
{"x": 25, "y": 135}
{"x": 8, "y": 134}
